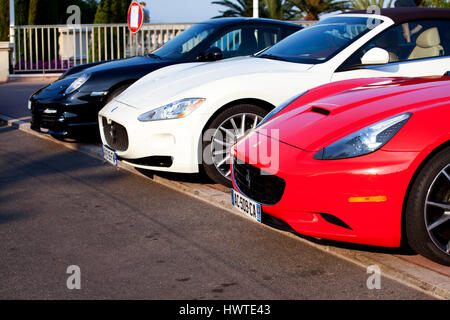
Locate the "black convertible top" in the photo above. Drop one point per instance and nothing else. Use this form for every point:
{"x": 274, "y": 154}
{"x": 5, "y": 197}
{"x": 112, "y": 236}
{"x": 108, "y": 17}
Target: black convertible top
{"x": 405, "y": 14}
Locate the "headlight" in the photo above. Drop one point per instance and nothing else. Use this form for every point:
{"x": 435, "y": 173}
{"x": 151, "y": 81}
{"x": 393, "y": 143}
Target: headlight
{"x": 364, "y": 141}
{"x": 77, "y": 83}
{"x": 278, "y": 109}
{"x": 178, "y": 109}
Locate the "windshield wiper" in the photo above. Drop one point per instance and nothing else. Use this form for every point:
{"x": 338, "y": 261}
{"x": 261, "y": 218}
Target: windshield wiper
{"x": 273, "y": 57}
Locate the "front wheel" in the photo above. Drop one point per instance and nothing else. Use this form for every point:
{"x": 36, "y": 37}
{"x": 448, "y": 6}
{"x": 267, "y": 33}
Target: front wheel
{"x": 223, "y": 132}
{"x": 428, "y": 210}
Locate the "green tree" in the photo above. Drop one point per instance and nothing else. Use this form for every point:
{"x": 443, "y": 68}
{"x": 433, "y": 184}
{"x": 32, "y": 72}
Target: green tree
{"x": 436, "y": 3}
{"x": 312, "y": 8}
{"x": 273, "y": 9}
{"x": 364, "y": 4}
{"x": 88, "y": 10}
{"x": 281, "y": 10}
{"x": 43, "y": 12}
{"x": 112, "y": 11}
{"x": 4, "y": 20}
{"x": 55, "y": 11}
{"x": 239, "y": 8}
{"x": 22, "y": 8}
{"x": 109, "y": 11}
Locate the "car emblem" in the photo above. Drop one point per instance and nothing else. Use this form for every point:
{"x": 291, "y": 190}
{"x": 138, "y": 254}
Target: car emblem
{"x": 112, "y": 133}
{"x": 248, "y": 179}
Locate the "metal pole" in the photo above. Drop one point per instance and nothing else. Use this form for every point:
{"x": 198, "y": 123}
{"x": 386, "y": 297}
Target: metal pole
{"x": 255, "y": 8}
{"x": 12, "y": 24}
{"x": 12, "y": 21}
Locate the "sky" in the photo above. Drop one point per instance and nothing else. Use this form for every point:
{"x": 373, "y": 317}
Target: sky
{"x": 178, "y": 11}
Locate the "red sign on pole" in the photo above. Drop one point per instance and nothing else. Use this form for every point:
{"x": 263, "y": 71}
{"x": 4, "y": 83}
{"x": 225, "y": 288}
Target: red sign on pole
{"x": 135, "y": 17}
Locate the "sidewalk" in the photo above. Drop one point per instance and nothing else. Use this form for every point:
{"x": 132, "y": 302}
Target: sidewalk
{"x": 407, "y": 268}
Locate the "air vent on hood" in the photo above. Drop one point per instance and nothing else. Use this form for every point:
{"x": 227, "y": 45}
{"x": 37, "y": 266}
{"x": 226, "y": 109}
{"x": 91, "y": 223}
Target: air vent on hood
{"x": 323, "y": 111}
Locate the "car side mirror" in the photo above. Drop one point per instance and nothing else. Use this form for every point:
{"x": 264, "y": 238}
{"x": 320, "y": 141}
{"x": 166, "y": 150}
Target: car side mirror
{"x": 375, "y": 56}
{"x": 211, "y": 54}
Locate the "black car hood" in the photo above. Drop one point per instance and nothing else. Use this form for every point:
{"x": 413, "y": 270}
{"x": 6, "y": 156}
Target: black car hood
{"x": 134, "y": 62}
{"x": 105, "y": 76}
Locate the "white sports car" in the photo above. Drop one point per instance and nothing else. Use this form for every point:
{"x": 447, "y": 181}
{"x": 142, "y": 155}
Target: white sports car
{"x": 188, "y": 116}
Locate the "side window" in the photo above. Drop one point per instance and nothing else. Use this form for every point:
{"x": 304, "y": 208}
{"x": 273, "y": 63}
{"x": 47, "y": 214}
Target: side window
{"x": 229, "y": 43}
{"x": 409, "y": 41}
{"x": 247, "y": 41}
{"x": 267, "y": 37}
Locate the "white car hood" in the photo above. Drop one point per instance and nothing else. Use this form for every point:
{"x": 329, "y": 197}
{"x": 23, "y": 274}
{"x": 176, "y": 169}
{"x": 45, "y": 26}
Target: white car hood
{"x": 176, "y": 82}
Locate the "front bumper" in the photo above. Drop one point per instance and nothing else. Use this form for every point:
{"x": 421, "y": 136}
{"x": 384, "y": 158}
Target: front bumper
{"x": 358, "y": 200}
{"x": 65, "y": 116}
{"x": 166, "y": 145}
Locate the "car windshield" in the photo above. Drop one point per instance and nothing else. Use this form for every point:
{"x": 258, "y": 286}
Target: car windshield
{"x": 185, "y": 42}
{"x": 321, "y": 41}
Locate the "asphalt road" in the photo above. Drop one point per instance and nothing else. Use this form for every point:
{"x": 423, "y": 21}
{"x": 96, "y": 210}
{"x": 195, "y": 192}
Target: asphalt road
{"x": 14, "y": 97}
{"x": 135, "y": 239}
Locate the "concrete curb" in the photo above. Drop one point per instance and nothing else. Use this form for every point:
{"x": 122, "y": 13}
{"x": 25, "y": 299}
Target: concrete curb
{"x": 436, "y": 284}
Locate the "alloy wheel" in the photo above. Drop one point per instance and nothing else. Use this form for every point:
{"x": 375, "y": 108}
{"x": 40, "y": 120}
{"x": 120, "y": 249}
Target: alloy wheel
{"x": 437, "y": 210}
{"x": 226, "y": 135}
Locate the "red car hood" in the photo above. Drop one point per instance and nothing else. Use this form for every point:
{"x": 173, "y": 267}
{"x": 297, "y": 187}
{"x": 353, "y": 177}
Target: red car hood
{"x": 313, "y": 126}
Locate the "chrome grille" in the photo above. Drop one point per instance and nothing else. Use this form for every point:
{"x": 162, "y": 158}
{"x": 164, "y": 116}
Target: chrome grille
{"x": 115, "y": 134}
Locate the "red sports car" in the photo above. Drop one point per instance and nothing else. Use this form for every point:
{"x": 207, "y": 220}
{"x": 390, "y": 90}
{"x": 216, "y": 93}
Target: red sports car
{"x": 364, "y": 161}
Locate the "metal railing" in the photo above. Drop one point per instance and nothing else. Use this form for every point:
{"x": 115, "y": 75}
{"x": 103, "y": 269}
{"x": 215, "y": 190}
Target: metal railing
{"x": 56, "y": 48}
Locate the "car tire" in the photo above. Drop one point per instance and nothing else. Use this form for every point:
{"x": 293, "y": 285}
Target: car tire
{"x": 427, "y": 215}
{"x": 116, "y": 92}
{"x": 216, "y": 164}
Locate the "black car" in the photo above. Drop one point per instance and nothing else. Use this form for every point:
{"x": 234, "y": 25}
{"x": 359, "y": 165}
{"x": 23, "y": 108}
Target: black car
{"x": 69, "y": 106}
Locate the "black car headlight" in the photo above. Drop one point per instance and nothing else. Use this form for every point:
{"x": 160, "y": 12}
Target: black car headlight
{"x": 77, "y": 83}
{"x": 364, "y": 141}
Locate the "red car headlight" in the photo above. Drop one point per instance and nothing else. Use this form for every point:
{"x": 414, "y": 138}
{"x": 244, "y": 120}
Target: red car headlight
{"x": 364, "y": 141}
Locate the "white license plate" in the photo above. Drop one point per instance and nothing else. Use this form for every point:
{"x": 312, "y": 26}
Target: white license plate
{"x": 248, "y": 207}
{"x": 110, "y": 156}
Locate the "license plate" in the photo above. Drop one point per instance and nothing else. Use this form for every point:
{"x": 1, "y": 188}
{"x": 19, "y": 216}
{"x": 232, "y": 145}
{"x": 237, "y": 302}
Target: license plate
{"x": 110, "y": 156}
{"x": 248, "y": 207}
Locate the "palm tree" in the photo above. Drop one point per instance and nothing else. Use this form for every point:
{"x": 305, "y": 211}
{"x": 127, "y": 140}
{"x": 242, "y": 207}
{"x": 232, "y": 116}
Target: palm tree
{"x": 243, "y": 8}
{"x": 312, "y": 8}
{"x": 364, "y": 4}
{"x": 436, "y": 3}
{"x": 273, "y": 9}
{"x": 281, "y": 10}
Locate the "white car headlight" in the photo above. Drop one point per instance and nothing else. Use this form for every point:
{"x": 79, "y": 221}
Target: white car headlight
{"x": 77, "y": 83}
{"x": 364, "y": 141}
{"x": 178, "y": 109}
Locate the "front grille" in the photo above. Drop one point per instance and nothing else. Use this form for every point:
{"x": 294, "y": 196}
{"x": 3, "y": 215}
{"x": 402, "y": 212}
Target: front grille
{"x": 48, "y": 120}
{"x": 116, "y": 135}
{"x": 42, "y": 118}
{"x": 257, "y": 184}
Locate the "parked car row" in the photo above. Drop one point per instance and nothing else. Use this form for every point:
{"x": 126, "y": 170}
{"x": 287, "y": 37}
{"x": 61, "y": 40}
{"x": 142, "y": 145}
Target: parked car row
{"x": 69, "y": 107}
{"x": 321, "y": 132}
